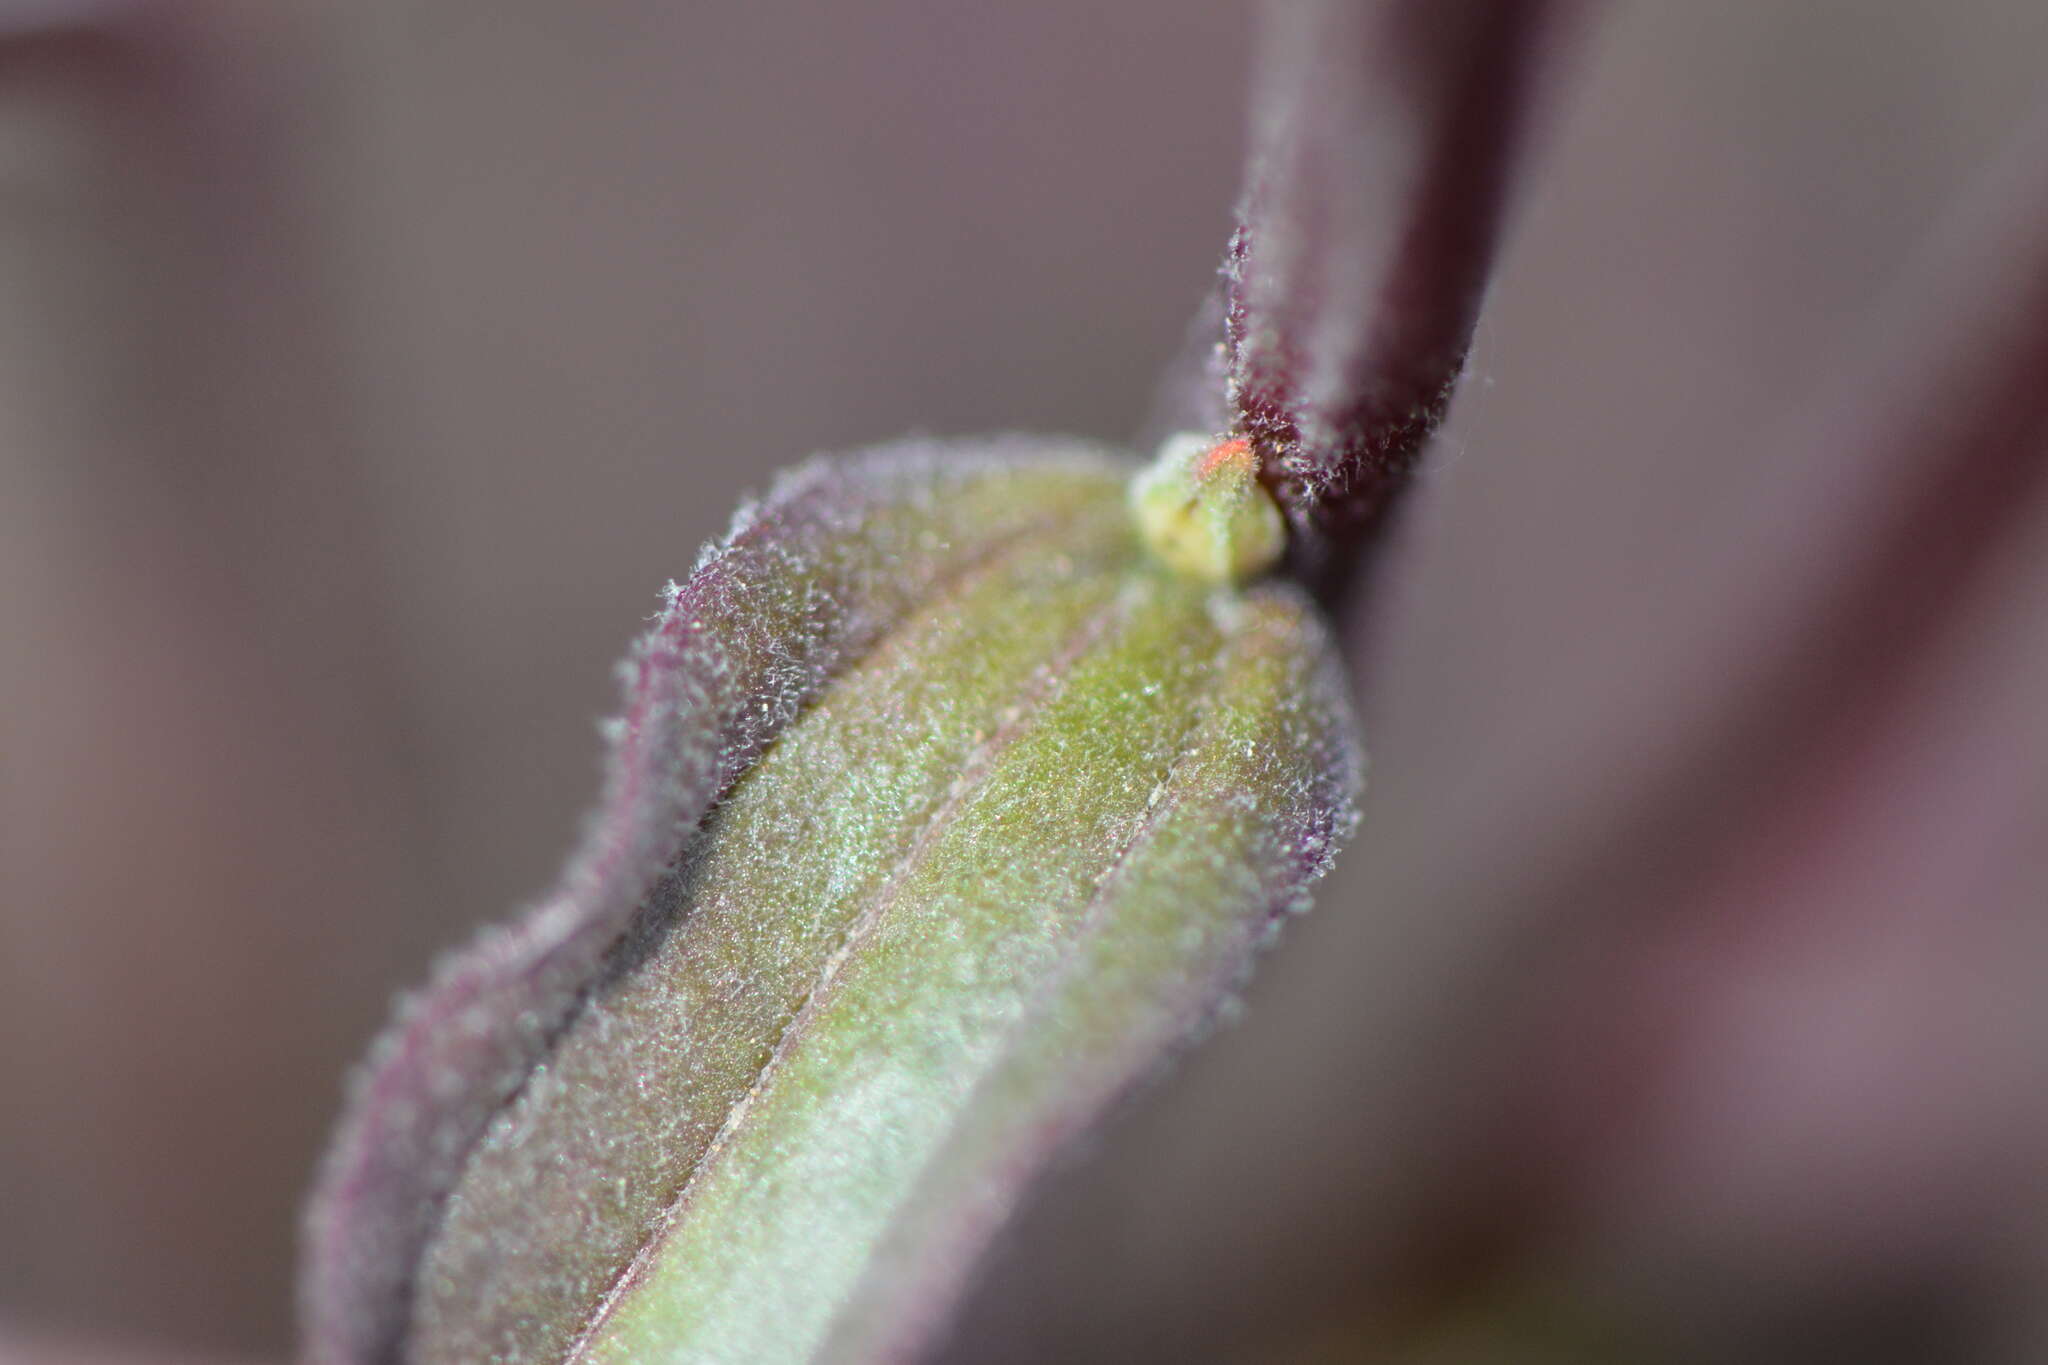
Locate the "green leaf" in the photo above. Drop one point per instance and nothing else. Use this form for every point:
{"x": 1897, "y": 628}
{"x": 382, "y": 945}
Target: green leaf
{"x": 1001, "y": 862}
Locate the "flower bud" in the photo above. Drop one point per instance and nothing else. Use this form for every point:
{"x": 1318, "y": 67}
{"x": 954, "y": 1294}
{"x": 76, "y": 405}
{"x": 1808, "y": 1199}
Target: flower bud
{"x": 1201, "y": 509}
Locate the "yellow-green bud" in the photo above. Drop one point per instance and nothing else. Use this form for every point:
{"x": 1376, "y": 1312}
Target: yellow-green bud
{"x": 1202, "y": 510}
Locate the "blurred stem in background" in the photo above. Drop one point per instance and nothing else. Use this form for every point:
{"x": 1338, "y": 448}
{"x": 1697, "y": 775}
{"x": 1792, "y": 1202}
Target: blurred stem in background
{"x": 202, "y": 783}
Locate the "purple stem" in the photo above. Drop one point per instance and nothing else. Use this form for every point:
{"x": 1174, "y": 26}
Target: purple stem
{"x": 1384, "y": 139}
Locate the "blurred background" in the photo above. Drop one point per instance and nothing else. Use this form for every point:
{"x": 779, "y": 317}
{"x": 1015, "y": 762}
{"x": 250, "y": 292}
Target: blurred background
{"x": 365, "y": 370}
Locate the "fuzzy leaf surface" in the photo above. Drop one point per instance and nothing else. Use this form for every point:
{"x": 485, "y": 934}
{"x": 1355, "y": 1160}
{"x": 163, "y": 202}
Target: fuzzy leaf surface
{"x": 811, "y": 576}
{"x": 1004, "y": 805}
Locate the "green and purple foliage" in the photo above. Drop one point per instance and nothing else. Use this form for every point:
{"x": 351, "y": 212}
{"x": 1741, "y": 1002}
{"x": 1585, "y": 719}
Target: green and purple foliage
{"x": 942, "y": 806}
{"x": 957, "y": 788}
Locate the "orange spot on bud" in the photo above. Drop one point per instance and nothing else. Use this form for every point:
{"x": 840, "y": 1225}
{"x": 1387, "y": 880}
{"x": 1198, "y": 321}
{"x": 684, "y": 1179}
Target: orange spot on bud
{"x": 1237, "y": 450}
